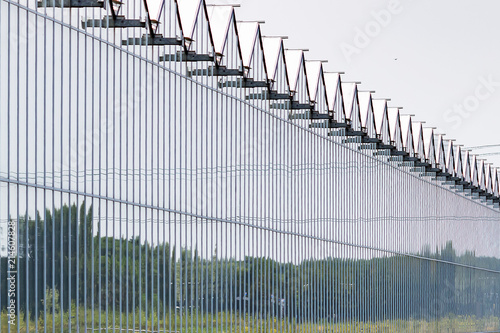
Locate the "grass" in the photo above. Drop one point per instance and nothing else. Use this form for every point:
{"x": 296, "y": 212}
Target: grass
{"x": 225, "y": 322}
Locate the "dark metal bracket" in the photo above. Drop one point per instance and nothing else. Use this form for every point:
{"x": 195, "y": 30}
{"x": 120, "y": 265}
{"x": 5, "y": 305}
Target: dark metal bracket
{"x": 217, "y": 71}
{"x": 244, "y": 83}
{"x": 329, "y": 124}
{"x": 268, "y": 95}
{"x": 110, "y": 22}
{"x": 156, "y": 40}
{"x": 314, "y": 115}
{"x": 71, "y": 3}
{"x": 189, "y": 56}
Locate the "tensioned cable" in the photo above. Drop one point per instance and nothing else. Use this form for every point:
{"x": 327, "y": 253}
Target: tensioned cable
{"x": 263, "y": 228}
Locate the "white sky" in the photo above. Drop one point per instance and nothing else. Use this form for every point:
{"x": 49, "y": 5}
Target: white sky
{"x": 443, "y": 49}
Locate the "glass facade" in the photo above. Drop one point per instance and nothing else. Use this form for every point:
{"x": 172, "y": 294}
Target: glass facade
{"x": 171, "y": 170}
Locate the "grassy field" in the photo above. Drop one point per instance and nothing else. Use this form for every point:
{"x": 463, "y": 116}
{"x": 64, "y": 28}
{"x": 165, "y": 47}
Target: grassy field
{"x": 224, "y": 322}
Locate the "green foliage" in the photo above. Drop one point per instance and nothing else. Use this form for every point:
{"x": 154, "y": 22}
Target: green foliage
{"x": 51, "y": 301}
{"x": 195, "y": 322}
{"x": 74, "y": 268}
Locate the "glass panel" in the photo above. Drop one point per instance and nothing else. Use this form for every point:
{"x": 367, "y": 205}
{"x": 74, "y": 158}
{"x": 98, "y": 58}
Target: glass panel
{"x": 313, "y": 70}
{"x": 272, "y": 49}
{"x": 188, "y": 11}
{"x": 219, "y": 18}
{"x": 294, "y": 59}
{"x": 247, "y": 33}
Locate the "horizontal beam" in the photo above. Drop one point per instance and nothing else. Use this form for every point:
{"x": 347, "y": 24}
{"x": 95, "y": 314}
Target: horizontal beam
{"x": 71, "y": 3}
{"x": 292, "y": 105}
{"x": 411, "y": 158}
{"x": 147, "y": 40}
{"x": 367, "y": 139}
{"x": 351, "y": 132}
{"x": 110, "y": 22}
{"x": 300, "y": 106}
{"x": 329, "y": 124}
{"x": 217, "y": 71}
{"x": 268, "y": 95}
{"x": 188, "y": 57}
{"x": 310, "y": 115}
{"x": 244, "y": 83}
{"x": 395, "y": 152}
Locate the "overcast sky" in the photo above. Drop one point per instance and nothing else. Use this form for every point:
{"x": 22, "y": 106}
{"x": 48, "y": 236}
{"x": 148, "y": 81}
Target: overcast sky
{"x": 439, "y": 60}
